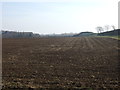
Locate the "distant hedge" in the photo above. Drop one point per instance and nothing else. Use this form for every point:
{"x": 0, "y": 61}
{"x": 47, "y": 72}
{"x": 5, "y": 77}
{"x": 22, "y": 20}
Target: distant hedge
{"x": 13, "y": 34}
{"x": 110, "y": 33}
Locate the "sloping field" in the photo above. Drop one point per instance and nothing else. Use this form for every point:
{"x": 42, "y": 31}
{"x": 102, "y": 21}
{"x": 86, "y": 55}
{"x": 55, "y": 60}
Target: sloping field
{"x": 68, "y": 62}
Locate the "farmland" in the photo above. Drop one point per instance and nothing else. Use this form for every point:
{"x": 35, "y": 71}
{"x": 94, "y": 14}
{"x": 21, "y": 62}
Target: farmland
{"x": 61, "y": 62}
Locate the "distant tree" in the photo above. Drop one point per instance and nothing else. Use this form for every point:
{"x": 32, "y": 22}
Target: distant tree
{"x": 30, "y": 34}
{"x": 113, "y": 27}
{"x": 99, "y": 29}
{"x": 107, "y": 27}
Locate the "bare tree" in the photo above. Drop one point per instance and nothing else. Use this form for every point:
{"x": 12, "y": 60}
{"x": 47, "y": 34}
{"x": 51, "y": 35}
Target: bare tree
{"x": 99, "y": 29}
{"x": 107, "y": 27}
{"x": 113, "y": 27}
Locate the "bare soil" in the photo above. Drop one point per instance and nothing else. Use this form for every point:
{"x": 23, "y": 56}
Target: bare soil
{"x": 61, "y": 63}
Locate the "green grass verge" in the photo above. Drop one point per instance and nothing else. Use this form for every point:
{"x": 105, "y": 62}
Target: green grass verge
{"x": 115, "y": 37}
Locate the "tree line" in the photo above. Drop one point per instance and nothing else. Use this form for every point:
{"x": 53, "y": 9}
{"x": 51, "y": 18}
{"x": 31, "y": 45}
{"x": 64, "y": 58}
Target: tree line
{"x": 105, "y": 28}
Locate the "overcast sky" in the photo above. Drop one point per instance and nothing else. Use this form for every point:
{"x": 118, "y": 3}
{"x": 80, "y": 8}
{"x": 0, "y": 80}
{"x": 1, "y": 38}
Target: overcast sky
{"x": 59, "y": 16}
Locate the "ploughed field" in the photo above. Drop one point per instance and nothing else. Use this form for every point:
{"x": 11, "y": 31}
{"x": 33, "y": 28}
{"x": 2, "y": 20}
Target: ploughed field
{"x": 64, "y": 62}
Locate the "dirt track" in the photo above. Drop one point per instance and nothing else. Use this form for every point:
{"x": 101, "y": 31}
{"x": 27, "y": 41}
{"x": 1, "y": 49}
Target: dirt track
{"x": 71, "y": 62}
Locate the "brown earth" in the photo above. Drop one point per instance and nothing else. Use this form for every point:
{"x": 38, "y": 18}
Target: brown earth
{"x": 61, "y": 63}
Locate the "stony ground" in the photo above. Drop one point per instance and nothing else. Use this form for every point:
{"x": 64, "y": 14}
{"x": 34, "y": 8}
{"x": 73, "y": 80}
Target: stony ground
{"x": 68, "y": 62}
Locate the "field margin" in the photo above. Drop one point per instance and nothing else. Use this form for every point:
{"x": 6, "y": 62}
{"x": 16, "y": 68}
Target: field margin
{"x": 114, "y": 37}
